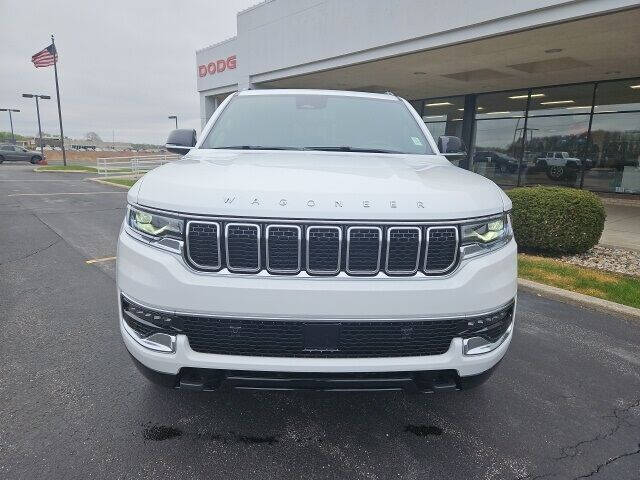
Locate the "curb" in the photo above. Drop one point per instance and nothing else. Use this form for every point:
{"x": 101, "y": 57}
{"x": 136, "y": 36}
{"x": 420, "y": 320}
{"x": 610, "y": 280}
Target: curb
{"x": 60, "y": 171}
{"x": 579, "y": 299}
{"x": 103, "y": 182}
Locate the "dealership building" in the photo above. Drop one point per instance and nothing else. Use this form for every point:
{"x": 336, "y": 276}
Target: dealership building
{"x": 540, "y": 91}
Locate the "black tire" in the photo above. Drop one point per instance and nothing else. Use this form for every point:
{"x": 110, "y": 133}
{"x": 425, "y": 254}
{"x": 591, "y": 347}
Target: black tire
{"x": 556, "y": 172}
{"x": 1, "y": 159}
{"x": 35, "y": 159}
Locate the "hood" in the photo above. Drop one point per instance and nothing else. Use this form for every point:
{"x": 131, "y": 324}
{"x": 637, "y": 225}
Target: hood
{"x": 331, "y": 185}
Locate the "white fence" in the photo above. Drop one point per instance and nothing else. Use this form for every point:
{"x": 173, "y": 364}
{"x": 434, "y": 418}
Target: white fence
{"x": 135, "y": 166}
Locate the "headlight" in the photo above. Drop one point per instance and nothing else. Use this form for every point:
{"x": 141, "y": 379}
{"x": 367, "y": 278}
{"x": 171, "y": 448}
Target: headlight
{"x": 156, "y": 229}
{"x": 486, "y": 236}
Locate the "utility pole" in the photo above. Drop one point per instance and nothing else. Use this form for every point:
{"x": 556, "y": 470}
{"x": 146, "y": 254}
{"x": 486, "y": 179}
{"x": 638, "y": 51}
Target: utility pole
{"x": 13, "y": 137}
{"x": 44, "y": 97}
{"x": 174, "y": 117}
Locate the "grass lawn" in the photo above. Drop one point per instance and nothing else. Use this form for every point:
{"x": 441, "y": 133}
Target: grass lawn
{"x": 127, "y": 182}
{"x": 615, "y": 287}
{"x": 62, "y": 168}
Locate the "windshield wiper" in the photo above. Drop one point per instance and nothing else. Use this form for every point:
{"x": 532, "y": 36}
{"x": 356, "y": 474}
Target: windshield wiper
{"x": 254, "y": 147}
{"x": 352, "y": 149}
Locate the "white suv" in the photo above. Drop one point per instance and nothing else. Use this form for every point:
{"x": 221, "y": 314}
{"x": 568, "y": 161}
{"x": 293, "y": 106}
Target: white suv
{"x": 316, "y": 240}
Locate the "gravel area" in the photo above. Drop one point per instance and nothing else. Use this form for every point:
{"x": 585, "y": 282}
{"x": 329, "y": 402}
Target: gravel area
{"x": 611, "y": 259}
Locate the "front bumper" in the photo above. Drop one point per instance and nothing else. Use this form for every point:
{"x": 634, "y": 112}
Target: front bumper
{"x": 162, "y": 280}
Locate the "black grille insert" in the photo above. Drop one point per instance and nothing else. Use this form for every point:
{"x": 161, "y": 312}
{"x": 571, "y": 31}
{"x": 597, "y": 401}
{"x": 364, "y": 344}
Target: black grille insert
{"x": 363, "y": 250}
{"x": 441, "y": 249}
{"x": 324, "y": 248}
{"x": 203, "y": 244}
{"x": 403, "y": 250}
{"x": 283, "y": 248}
{"x": 243, "y": 247}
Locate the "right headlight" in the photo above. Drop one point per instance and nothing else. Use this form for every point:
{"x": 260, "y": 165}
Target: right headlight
{"x": 486, "y": 235}
{"x": 155, "y": 229}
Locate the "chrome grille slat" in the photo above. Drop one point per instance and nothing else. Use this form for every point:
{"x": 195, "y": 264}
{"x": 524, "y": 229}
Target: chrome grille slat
{"x": 404, "y": 248}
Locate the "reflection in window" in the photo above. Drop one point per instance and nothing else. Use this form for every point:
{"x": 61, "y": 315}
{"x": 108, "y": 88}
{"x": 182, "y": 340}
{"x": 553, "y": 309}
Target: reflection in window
{"x": 498, "y": 146}
{"x": 555, "y": 151}
{"x": 615, "y": 150}
{"x": 567, "y": 100}
{"x": 443, "y": 116}
{"x": 503, "y": 104}
{"x": 618, "y": 96}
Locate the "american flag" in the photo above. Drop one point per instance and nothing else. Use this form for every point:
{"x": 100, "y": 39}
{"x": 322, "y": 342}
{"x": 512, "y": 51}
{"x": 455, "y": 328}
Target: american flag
{"x": 45, "y": 57}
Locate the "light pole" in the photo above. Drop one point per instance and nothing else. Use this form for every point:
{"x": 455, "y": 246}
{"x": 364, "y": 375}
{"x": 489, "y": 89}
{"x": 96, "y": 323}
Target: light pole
{"x": 44, "y": 97}
{"x": 13, "y": 137}
{"x": 174, "y": 117}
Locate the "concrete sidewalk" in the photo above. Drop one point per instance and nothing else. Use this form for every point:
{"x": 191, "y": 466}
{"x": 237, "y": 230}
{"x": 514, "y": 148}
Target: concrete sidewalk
{"x": 622, "y": 227}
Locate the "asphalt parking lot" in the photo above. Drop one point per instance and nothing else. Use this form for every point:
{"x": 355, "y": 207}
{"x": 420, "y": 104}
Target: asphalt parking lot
{"x": 564, "y": 404}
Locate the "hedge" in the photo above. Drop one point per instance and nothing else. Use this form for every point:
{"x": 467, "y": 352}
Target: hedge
{"x": 556, "y": 220}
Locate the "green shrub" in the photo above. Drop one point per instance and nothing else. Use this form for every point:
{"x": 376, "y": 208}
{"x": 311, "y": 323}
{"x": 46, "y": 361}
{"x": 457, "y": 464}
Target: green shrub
{"x": 556, "y": 220}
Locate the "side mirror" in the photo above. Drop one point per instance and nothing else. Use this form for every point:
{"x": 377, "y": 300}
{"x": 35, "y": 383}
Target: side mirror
{"x": 449, "y": 145}
{"x": 181, "y": 141}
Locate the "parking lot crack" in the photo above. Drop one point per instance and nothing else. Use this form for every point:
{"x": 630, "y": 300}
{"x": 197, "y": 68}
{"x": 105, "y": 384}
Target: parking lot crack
{"x": 31, "y": 254}
{"x": 573, "y": 450}
{"x": 611, "y": 460}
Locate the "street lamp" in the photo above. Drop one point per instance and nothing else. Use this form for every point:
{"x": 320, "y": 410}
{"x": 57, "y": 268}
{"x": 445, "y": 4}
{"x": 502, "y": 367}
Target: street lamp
{"x": 174, "y": 117}
{"x": 44, "y": 97}
{"x": 13, "y": 137}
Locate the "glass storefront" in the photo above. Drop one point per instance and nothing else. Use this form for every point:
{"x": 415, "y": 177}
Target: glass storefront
{"x": 583, "y": 135}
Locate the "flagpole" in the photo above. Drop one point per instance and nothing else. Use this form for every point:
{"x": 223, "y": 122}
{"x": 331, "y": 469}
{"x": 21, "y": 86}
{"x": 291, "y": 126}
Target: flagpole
{"x": 55, "y": 69}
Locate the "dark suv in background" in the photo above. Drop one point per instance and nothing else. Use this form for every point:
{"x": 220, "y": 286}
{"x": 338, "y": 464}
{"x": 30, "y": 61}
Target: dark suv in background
{"x": 18, "y": 153}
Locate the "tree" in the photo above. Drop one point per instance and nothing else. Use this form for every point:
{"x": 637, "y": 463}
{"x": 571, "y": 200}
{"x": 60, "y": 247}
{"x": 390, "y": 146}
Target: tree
{"x": 93, "y": 137}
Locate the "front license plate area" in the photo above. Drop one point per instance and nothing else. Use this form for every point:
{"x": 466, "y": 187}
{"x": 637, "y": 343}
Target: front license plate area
{"x": 321, "y": 337}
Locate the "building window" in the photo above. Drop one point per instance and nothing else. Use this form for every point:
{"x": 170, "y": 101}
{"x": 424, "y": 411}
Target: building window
{"x": 565, "y": 100}
{"x": 615, "y": 152}
{"x": 555, "y": 150}
{"x": 443, "y": 116}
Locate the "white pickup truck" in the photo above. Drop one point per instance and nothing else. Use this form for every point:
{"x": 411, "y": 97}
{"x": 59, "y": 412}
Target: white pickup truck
{"x": 316, "y": 240}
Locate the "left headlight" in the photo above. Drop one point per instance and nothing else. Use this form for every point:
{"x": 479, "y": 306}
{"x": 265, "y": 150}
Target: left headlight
{"x": 156, "y": 229}
{"x": 487, "y": 235}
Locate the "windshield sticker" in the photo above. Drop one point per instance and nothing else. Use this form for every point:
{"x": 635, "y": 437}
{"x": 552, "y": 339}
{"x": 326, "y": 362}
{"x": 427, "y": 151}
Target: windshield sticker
{"x": 416, "y": 141}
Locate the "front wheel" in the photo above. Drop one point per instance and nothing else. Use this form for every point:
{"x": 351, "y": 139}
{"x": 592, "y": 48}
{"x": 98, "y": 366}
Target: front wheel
{"x": 1, "y": 159}
{"x": 555, "y": 172}
{"x": 35, "y": 159}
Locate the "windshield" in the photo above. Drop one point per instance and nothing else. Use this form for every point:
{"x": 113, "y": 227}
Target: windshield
{"x": 317, "y": 122}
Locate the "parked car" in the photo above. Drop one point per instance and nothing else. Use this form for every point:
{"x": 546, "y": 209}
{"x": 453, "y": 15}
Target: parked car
{"x": 561, "y": 165}
{"x": 316, "y": 240}
{"x": 12, "y": 153}
{"x": 503, "y": 162}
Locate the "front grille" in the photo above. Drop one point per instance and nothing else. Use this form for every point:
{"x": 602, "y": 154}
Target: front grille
{"x": 293, "y": 338}
{"x": 243, "y": 247}
{"x": 441, "y": 249}
{"x": 288, "y": 249}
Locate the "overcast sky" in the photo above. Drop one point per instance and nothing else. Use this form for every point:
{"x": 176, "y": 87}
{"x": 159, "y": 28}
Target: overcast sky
{"x": 124, "y": 66}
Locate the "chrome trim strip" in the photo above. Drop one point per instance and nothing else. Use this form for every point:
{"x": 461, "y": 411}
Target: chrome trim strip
{"x": 426, "y": 249}
{"x": 204, "y": 267}
{"x": 298, "y": 220}
{"x": 158, "y": 342}
{"x": 482, "y": 313}
{"x": 226, "y": 247}
{"x": 266, "y": 239}
{"x": 324, "y": 272}
{"x": 480, "y": 345}
{"x": 363, "y": 272}
{"x": 403, "y": 272}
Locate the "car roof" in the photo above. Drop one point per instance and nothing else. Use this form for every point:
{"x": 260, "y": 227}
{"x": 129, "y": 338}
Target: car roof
{"x": 309, "y": 91}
